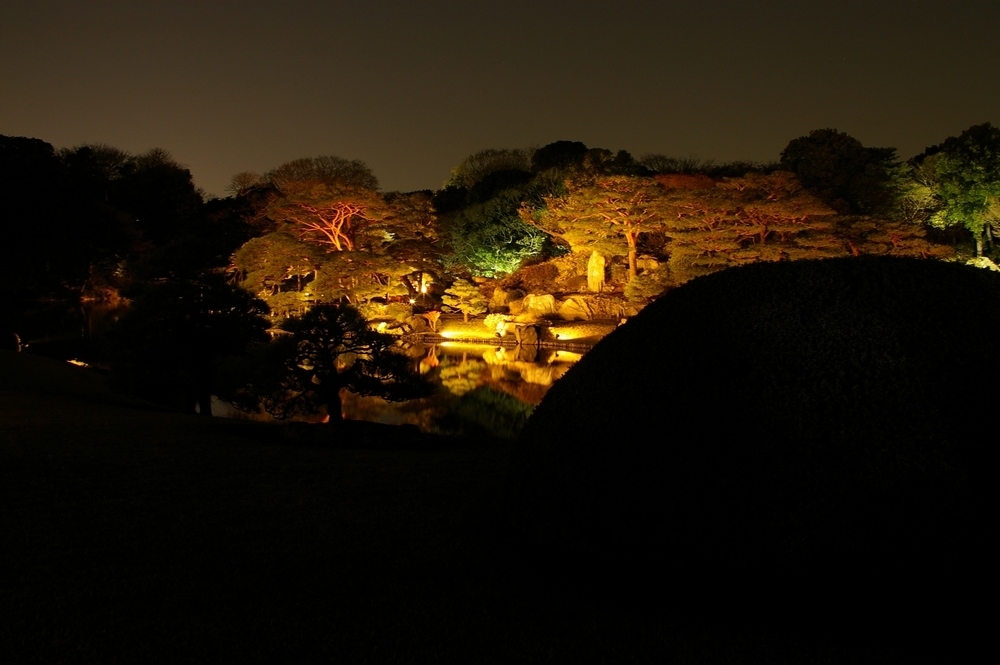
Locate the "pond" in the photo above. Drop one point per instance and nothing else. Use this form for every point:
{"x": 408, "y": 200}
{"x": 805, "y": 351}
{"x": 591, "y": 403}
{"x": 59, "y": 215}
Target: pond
{"x": 482, "y": 389}
{"x": 487, "y": 387}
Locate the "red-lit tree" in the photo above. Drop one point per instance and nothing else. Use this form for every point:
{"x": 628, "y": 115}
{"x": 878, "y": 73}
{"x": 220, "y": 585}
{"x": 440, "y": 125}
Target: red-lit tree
{"x": 326, "y": 214}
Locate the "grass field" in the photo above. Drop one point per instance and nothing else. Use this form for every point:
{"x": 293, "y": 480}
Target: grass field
{"x": 137, "y": 535}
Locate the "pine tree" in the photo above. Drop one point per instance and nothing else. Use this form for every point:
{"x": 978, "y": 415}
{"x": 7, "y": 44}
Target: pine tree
{"x": 465, "y": 297}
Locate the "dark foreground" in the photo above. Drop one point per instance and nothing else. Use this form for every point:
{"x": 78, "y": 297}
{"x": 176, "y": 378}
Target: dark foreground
{"x": 132, "y": 534}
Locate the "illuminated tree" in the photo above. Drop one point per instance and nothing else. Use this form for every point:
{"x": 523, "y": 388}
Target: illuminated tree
{"x": 964, "y": 174}
{"x": 325, "y": 214}
{"x": 326, "y": 350}
{"x": 491, "y": 239}
{"x": 607, "y": 216}
{"x": 745, "y": 220}
{"x": 465, "y": 297}
{"x": 881, "y": 237}
{"x": 358, "y": 277}
{"x": 275, "y": 263}
{"x": 408, "y": 231}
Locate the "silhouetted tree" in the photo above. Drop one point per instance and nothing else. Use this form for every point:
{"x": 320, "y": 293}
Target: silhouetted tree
{"x": 557, "y": 155}
{"x": 846, "y": 175}
{"x": 478, "y": 165}
{"x": 326, "y": 168}
{"x": 167, "y": 343}
{"x": 326, "y": 350}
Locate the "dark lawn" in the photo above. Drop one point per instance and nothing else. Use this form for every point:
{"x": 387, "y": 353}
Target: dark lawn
{"x": 133, "y": 534}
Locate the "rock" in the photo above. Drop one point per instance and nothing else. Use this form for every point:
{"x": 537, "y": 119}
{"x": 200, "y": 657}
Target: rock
{"x": 527, "y": 335}
{"x": 418, "y": 324}
{"x": 502, "y": 297}
{"x": 524, "y": 354}
{"x": 538, "y": 306}
{"x": 595, "y": 273}
{"x": 575, "y": 309}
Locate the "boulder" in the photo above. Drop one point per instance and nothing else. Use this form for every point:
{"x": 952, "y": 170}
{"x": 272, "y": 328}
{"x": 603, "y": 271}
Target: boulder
{"x": 810, "y": 432}
{"x": 575, "y": 309}
{"x": 527, "y": 335}
{"x": 418, "y": 324}
{"x": 595, "y": 273}
{"x": 502, "y": 297}
{"x": 538, "y": 306}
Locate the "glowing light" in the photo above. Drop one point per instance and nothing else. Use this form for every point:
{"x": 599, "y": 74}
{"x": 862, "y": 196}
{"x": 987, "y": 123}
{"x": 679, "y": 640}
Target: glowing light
{"x": 413, "y": 301}
{"x": 78, "y": 363}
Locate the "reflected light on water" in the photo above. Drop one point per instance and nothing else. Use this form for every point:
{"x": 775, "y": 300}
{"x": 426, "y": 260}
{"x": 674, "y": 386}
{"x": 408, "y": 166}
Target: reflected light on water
{"x": 565, "y": 356}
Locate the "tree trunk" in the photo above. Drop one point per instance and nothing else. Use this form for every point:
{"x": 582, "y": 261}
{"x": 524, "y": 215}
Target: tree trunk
{"x": 979, "y": 245}
{"x": 465, "y": 316}
{"x": 205, "y": 405}
{"x": 335, "y": 407}
{"x": 410, "y": 291}
{"x": 633, "y": 268}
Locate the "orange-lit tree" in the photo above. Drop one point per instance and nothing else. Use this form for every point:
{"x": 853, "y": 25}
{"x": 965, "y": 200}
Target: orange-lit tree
{"x": 881, "y": 237}
{"x": 466, "y": 298}
{"x": 326, "y": 213}
{"x": 745, "y": 220}
{"x": 606, "y": 216}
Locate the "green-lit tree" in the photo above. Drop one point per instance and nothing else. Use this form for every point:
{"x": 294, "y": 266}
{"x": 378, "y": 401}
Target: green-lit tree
{"x": 465, "y": 297}
{"x": 964, "y": 174}
{"x": 491, "y": 239}
{"x": 326, "y": 350}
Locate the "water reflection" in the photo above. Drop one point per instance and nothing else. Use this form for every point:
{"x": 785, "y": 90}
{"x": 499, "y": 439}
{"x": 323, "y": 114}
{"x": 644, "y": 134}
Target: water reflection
{"x": 483, "y": 389}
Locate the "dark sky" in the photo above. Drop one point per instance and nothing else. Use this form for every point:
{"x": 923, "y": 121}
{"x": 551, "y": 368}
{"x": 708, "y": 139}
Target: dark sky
{"x": 412, "y": 87}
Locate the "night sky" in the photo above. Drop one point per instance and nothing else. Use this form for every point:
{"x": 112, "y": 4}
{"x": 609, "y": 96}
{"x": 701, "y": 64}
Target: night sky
{"x": 413, "y": 87}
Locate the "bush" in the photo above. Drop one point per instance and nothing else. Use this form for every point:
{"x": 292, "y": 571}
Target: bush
{"x": 810, "y": 428}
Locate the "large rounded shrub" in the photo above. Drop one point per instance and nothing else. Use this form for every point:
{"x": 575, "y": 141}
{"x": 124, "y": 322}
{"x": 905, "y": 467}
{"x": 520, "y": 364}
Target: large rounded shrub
{"x": 815, "y": 427}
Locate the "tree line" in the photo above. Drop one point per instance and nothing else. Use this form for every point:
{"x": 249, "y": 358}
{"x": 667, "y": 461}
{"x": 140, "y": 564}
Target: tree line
{"x": 318, "y": 234}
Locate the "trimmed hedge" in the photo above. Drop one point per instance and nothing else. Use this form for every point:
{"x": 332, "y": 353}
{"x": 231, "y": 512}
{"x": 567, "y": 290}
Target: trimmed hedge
{"x": 807, "y": 428}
